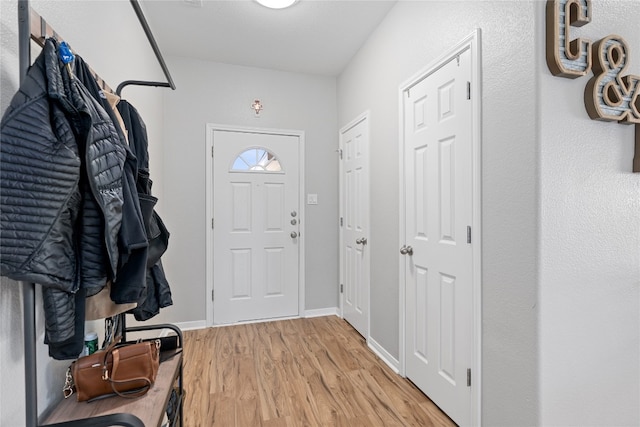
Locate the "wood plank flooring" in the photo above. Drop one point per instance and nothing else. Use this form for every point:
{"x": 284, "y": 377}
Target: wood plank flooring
{"x": 296, "y": 373}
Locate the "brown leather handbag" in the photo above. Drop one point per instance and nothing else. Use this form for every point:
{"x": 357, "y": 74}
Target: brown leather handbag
{"x": 128, "y": 371}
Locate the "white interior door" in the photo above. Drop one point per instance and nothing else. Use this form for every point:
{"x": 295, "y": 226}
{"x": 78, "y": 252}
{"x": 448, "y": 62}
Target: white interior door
{"x": 438, "y": 179}
{"x": 354, "y": 243}
{"x": 255, "y": 226}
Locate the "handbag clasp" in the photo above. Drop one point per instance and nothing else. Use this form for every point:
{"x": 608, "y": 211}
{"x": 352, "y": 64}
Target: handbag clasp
{"x": 67, "y": 390}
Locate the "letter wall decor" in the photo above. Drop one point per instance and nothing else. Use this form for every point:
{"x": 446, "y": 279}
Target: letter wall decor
{"x": 611, "y": 94}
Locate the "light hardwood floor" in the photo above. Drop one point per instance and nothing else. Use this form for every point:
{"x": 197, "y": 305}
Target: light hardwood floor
{"x": 296, "y": 373}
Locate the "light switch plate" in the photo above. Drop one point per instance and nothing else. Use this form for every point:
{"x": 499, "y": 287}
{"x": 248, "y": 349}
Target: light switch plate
{"x": 312, "y": 199}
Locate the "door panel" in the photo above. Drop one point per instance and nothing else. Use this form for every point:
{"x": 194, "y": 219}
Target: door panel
{"x": 354, "y": 256}
{"x": 241, "y": 273}
{"x": 274, "y": 209}
{"x": 439, "y": 191}
{"x": 275, "y": 271}
{"x": 241, "y": 206}
{"x": 255, "y": 257}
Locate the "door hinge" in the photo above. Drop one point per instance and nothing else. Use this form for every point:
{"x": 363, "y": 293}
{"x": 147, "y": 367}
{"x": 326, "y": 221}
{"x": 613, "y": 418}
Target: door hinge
{"x": 340, "y": 153}
{"x": 212, "y": 295}
{"x": 341, "y": 288}
{"x": 341, "y": 221}
{"x": 211, "y": 151}
{"x": 212, "y": 223}
{"x": 469, "y": 377}
{"x": 468, "y": 90}
{"x": 468, "y": 234}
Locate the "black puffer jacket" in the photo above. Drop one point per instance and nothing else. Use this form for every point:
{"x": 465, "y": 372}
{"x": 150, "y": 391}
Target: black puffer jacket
{"x": 129, "y": 284}
{"x": 54, "y": 137}
{"x": 39, "y": 176}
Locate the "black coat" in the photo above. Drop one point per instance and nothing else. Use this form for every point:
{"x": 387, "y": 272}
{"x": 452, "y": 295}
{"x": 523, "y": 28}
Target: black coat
{"x": 59, "y": 152}
{"x": 157, "y": 294}
{"x": 130, "y": 281}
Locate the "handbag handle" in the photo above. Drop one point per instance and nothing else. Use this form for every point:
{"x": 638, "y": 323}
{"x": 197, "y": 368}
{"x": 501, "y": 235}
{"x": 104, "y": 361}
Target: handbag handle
{"x": 131, "y": 394}
{"x": 107, "y": 351}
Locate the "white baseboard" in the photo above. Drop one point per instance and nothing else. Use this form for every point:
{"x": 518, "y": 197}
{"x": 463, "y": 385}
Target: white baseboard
{"x": 197, "y": 324}
{"x": 331, "y": 311}
{"x": 201, "y": 324}
{"x": 250, "y": 322}
{"x": 383, "y": 354}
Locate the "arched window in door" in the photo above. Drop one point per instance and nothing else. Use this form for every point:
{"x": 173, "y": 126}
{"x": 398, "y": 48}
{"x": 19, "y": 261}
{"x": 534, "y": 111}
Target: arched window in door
{"x": 256, "y": 159}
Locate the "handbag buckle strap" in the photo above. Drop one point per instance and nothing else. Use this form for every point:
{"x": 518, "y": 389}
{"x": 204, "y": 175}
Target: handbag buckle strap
{"x": 67, "y": 390}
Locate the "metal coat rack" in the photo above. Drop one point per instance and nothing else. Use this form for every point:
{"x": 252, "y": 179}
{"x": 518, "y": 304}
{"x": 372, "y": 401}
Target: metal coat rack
{"x": 28, "y": 20}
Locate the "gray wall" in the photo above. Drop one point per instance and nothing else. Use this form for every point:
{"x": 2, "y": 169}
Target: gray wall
{"x": 217, "y": 93}
{"x": 117, "y": 55}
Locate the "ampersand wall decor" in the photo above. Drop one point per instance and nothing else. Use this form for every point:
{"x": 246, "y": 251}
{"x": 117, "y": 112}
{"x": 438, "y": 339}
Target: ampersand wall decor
{"x": 611, "y": 94}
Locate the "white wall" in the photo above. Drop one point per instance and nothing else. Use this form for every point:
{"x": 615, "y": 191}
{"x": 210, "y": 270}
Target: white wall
{"x": 589, "y": 246}
{"x": 410, "y": 37}
{"x": 108, "y": 36}
{"x": 217, "y": 93}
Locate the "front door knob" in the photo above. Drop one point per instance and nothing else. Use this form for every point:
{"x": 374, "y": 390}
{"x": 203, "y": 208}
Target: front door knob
{"x": 294, "y": 234}
{"x": 362, "y": 241}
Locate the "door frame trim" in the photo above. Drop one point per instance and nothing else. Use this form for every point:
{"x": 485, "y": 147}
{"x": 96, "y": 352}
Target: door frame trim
{"x": 210, "y": 128}
{"x": 365, "y": 116}
{"x": 473, "y": 43}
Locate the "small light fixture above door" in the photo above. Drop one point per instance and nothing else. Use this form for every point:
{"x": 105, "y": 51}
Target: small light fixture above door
{"x": 257, "y": 106}
{"x": 277, "y": 4}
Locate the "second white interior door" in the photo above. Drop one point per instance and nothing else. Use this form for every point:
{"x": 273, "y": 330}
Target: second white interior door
{"x": 256, "y": 226}
{"x": 354, "y": 253}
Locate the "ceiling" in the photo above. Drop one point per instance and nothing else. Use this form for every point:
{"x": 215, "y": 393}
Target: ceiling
{"x": 312, "y": 36}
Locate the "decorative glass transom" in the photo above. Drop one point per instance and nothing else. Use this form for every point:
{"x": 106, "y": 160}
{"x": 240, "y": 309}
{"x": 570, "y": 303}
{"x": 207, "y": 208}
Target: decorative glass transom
{"x": 256, "y": 160}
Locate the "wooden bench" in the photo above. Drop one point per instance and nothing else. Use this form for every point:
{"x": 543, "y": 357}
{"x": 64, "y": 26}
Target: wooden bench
{"x": 144, "y": 411}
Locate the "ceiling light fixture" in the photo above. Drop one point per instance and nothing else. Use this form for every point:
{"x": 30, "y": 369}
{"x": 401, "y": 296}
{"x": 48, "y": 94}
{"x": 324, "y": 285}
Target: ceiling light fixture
{"x": 277, "y": 4}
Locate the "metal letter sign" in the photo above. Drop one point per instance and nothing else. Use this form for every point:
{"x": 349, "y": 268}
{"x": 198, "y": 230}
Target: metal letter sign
{"x": 609, "y": 95}
{"x": 565, "y": 57}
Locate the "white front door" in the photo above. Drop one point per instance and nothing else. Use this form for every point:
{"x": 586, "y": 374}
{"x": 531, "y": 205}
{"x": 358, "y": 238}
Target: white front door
{"x": 354, "y": 208}
{"x": 255, "y": 226}
{"x": 438, "y": 154}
